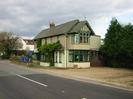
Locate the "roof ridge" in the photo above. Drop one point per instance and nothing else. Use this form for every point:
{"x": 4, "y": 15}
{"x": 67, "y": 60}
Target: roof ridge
{"x": 61, "y": 24}
{"x": 60, "y": 29}
{"x": 67, "y": 22}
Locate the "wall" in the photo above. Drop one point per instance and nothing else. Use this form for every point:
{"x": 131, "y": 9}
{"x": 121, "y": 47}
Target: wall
{"x": 25, "y": 46}
{"x": 95, "y": 42}
{"x": 54, "y": 39}
{"x": 79, "y": 65}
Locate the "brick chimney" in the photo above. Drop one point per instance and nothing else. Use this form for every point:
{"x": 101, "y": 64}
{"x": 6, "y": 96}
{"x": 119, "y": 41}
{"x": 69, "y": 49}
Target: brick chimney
{"x": 51, "y": 24}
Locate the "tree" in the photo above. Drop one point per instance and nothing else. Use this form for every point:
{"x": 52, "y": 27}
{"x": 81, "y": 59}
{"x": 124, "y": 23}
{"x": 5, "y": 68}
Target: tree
{"x": 39, "y": 43}
{"x": 126, "y": 48}
{"x": 1, "y": 49}
{"x": 48, "y": 50}
{"x": 118, "y": 45}
{"x": 8, "y": 43}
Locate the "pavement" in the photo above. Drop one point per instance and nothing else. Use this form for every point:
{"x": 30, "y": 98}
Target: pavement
{"x": 17, "y": 82}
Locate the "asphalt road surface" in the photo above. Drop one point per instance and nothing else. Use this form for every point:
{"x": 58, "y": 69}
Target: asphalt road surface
{"x": 17, "y": 82}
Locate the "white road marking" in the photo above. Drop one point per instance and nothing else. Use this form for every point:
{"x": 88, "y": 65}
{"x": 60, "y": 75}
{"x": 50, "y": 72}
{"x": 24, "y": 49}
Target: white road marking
{"x": 63, "y": 91}
{"x": 31, "y": 80}
{"x": 84, "y": 98}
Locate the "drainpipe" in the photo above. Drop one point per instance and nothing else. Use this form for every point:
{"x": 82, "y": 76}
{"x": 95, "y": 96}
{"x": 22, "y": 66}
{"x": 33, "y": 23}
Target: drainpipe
{"x": 66, "y": 49}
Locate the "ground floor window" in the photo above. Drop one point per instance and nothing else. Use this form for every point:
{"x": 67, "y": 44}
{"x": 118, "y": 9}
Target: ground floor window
{"x": 44, "y": 58}
{"x": 58, "y": 57}
{"x": 79, "y": 55}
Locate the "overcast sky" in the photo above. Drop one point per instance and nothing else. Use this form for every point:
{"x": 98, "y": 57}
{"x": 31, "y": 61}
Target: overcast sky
{"x": 29, "y": 17}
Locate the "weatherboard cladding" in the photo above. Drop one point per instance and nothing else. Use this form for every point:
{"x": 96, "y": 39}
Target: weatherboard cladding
{"x": 69, "y": 27}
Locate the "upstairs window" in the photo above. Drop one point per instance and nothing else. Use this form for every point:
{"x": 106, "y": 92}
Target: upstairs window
{"x": 75, "y": 39}
{"x": 82, "y": 37}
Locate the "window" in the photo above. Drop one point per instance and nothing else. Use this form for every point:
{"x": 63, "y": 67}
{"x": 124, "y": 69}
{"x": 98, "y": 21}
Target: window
{"x": 72, "y": 39}
{"x": 75, "y": 39}
{"x": 44, "y": 58}
{"x": 58, "y": 57}
{"x": 79, "y": 56}
{"x": 76, "y": 56}
{"x": 82, "y": 37}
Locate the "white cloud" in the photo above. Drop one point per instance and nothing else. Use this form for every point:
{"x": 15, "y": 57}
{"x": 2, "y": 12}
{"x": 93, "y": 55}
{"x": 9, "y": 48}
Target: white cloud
{"x": 27, "y": 17}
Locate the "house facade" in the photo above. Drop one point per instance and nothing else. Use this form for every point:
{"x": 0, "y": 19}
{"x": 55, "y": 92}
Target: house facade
{"x": 26, "y": 44}
{"x": 79, "y": 42}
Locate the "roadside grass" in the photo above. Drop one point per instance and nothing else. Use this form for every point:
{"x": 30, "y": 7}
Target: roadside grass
{"x": 123, "y": 77}
{"x": 131, "y": 82}
{"x": 118, "y": 76}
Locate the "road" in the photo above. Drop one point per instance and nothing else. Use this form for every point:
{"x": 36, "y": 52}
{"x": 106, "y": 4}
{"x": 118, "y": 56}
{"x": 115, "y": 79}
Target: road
{"x": 17, "y": 82}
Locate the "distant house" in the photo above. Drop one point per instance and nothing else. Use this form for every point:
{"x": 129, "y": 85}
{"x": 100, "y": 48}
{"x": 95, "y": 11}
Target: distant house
{"x": 26, "y": 44}
{"x": 79, "y": 41}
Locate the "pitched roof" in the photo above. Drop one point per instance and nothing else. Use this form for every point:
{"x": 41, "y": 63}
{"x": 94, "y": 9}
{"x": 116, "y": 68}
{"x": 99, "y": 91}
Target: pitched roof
{"x": 68, "y": 27}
